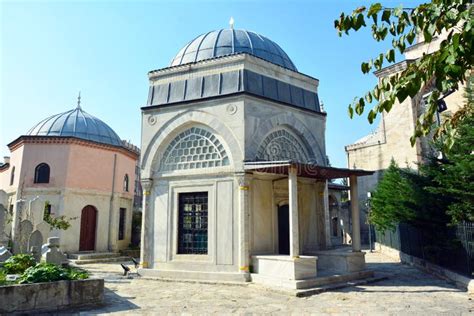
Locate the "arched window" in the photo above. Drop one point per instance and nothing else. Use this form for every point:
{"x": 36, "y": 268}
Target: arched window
{"x": 281, "y": 145}
{"x": 42, "y": 173}
{"x": 193, "y": 149}
{"x": 12, "y": 176}
{"x": 125, "y": 183}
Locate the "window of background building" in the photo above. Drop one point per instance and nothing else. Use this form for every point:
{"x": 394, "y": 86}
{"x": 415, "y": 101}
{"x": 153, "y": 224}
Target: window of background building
{"x": 125, "y": 183}
{"x": 192, "y": 226}
{"x": 47, "y": 210}
{"x": 121, "y": 232}
{"x": 42, "y": 173}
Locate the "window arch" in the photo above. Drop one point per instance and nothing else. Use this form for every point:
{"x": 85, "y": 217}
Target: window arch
{"x": 281, "y": 145}
{"x": 12, "y": 176}
{"x": 193, "y": 149}
{"x": 42, "y": 173}
{"x": 125, "y": 183}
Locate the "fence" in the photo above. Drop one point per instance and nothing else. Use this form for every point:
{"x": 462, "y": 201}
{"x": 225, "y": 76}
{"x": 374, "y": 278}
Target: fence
{"x": 449, "y": 247}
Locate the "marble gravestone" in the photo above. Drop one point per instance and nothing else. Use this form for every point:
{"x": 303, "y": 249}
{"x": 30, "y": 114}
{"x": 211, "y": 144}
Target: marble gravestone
{"x": 53, "y": 255}
{"x": 35, "y": 242}
{"x": 26, "y": 228}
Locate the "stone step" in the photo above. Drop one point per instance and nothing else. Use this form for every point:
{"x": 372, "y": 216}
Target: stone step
{"x": 101, "y": 260}
{"x": 337, "y": 286}
{"x": 92, "y": 255}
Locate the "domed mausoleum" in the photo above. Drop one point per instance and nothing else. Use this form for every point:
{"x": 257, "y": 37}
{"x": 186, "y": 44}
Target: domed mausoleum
{"x": 235, "y": 171}
{"x": 71, "y": 164}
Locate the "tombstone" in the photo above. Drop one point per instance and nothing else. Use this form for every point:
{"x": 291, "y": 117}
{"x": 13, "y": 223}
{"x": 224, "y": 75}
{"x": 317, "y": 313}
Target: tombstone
{"x": 4, "y": 254}
{"x": 52, "y": 254}
{"x": 36, "y": 211}
{"x": 26, "y": 228}
{"x": 44, "y": 228}
{"x": 36, "y": 253}
{"x": 36, "y": 241}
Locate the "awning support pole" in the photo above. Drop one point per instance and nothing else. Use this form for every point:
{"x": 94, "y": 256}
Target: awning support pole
{"x": 293, "y": 201}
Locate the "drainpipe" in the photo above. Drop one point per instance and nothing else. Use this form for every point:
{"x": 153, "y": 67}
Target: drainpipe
{"x": 111, "y": 207}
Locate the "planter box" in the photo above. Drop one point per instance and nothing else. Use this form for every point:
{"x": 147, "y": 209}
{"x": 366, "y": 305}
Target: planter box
{"x": 50, "y": 295}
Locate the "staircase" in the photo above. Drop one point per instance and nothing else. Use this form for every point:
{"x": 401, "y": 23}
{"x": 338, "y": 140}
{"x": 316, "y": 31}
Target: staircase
{"x": 96, "y": 257}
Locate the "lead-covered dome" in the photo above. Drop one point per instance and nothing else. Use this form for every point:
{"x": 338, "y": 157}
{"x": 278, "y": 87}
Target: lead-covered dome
{"x": 76, "y": 123}
{"x": 229, "y": 41}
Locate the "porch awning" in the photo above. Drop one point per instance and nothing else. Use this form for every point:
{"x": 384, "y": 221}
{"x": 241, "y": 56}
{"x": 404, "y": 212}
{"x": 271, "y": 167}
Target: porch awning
{"x": 304, "y": 170}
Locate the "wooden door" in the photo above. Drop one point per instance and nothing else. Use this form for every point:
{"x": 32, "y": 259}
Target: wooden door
{"x": 88, "y": 228}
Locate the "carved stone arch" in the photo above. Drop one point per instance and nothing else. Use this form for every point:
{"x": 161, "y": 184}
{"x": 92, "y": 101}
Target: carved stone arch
{"x": 194, "y": 148}
{"x": 179, "y": 122}
{"x": 283, "y": 144}
{"x": 289, "y": 121}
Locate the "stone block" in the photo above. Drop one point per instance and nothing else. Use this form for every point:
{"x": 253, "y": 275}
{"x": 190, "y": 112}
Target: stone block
{"x": 4, "y": 254}
{"x": 50, "y": 296}
{"x": 52, "y": 253}
{"x": 285, "y": 267}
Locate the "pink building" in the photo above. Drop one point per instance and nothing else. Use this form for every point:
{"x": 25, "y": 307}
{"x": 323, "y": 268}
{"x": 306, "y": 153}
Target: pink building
{"x": 70, "y": 164}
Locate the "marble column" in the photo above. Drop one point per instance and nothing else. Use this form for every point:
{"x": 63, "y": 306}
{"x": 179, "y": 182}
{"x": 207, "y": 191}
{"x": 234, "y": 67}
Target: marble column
{"x": 355, "y": 214}
{"x": 244, "y": 252}
{"x": 293, "y": 205}
{"x": 327, "y": 219}
{"x": 145, "y": 239}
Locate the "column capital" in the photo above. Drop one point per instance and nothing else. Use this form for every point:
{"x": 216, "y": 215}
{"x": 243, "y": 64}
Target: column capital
{"x": 146, "y": 185}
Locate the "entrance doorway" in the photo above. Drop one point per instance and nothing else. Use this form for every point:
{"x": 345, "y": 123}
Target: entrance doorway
{"x": 88, "y": 228}
{"x": 284, "y": 230}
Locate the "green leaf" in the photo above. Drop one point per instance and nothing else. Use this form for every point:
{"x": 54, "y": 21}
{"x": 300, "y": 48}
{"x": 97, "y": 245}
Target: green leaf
{"x": 359, "y": 108}
{"x": 411, "y": 37}
{"x": 374, "y": 9}
{"x": 372, "y": 115}
{"x": 386, "y": 16}
{"x": 368, "y": 97}
{"x": 350, "y": 111}
{"x": 365, "y": 67}
{"x": 390, "y": 55}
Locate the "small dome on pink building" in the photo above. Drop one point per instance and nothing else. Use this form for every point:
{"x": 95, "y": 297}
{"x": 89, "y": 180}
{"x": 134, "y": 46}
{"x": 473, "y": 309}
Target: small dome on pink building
{"x": 76, "y": 123}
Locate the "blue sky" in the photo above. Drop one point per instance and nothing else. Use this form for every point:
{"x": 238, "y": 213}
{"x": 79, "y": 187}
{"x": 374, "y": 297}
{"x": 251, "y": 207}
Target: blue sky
{"x": 51, "y": 50}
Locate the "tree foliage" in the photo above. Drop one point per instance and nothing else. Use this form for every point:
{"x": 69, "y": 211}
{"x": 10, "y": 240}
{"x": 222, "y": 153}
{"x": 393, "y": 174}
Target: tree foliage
{"x": 392, "y": 200}
{"x": 441, "y": 192}
{"x": 453, "y": 174}
{"x": 445, "y": 68}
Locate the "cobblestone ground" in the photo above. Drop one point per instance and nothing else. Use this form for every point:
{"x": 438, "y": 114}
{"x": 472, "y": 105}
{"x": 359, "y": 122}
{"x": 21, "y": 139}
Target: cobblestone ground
{"x": 407, "y": 291}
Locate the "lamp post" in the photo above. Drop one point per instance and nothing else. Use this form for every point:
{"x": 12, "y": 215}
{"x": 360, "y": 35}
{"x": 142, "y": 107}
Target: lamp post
{"x": 369, "y": 195}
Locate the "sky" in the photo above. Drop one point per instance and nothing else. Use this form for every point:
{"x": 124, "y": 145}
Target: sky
{"x": 51, "y": 50}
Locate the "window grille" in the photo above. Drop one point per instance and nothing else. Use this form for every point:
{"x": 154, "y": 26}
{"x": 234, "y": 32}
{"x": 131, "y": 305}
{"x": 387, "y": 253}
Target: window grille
{"x": 281, "y": 145}
{"x": 192, "y": 226}
{"x": 192, "y": 149}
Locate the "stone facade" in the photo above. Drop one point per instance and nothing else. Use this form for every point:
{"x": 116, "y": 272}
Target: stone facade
{"x": 206, "y": 129}
{"x": 391, "y": 139}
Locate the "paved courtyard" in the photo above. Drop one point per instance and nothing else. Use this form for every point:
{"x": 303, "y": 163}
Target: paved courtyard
{"x": 407, "y": 291}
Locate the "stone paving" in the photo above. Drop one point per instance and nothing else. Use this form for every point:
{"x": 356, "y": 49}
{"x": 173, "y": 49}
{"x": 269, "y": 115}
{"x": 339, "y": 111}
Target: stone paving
{"x": 407, "y": 291}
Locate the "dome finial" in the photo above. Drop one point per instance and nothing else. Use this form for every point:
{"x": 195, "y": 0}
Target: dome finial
{"x": 79, "y": 101}
{"x": 231, "y": 23}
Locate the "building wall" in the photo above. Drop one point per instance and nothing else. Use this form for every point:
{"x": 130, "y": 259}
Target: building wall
{"x": 80, "y": 175}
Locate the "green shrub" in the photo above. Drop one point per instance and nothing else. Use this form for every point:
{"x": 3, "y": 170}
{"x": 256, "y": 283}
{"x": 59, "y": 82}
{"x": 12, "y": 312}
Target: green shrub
{"x": 17, "y": 264}
{"x": 47, "y": 272}
{"x": 3, "y": 277}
